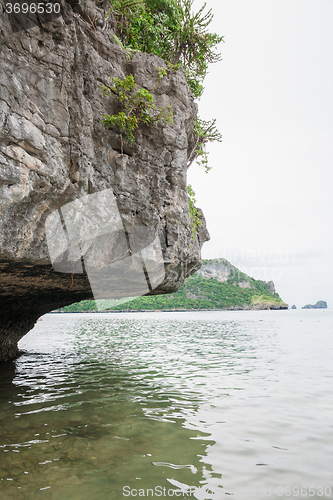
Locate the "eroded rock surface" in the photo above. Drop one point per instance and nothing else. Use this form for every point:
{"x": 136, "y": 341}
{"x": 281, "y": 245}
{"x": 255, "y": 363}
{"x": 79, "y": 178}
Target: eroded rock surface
{"x": 54, "y": 149}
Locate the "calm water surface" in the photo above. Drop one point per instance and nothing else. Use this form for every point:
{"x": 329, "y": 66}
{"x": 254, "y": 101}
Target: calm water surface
{"x": 212, "y": 404}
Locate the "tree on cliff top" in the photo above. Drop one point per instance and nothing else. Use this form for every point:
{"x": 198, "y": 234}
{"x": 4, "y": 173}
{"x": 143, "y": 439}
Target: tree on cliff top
{"x": 169, "y": 29}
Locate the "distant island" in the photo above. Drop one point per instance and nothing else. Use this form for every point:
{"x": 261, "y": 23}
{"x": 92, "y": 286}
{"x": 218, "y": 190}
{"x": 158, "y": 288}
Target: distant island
{"x": 218, "y": 285}
{"x": 321, "y": 304}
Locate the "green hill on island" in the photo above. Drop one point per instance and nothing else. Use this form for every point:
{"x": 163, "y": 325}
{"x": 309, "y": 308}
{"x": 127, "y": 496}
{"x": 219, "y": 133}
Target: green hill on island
{"x": 217, "y": 285}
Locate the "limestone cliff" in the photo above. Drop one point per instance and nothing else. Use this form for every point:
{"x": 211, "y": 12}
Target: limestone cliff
{"x": 54, "y": 150}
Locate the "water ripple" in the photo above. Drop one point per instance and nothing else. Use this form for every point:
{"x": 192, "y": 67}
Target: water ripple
{"x": 214, "y": 401}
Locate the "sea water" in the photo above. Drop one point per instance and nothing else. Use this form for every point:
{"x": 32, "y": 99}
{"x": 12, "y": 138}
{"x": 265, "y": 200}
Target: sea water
{"x": 203, "y": 405}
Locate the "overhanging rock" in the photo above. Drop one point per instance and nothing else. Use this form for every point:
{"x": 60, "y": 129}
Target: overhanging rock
{"x": 54, "y": 150}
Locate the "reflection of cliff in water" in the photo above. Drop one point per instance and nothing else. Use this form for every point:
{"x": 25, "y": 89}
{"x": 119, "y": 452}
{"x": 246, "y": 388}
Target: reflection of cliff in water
{"x": 7, "y": 373}
{"x": 89, "y": 417}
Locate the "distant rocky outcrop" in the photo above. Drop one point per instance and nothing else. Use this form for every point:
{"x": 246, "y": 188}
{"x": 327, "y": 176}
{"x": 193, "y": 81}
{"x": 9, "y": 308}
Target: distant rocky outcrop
{"x": 264, "y": 293}
{"x": 222, "y": 270}
{"x": 321, "y": 304}
{"x": 294, "y": 307}
{"x": 54, "y": 150}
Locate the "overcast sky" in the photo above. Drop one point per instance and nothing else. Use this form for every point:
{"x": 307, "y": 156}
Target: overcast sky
{"x": 268, "y": 200}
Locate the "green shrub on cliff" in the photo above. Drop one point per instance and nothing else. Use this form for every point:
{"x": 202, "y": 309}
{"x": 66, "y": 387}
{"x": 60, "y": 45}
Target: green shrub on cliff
{"x": 195, "y": 221}
{"x": 204, "y": 132}
{"x": 138, "y": 107}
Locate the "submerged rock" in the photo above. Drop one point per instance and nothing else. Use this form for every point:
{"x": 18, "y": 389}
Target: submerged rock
{"x": 54, "y": 150}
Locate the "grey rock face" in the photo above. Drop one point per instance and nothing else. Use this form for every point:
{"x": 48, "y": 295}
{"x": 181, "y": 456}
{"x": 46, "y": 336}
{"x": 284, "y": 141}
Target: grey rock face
{"x": 54, "y": 150}
{"x": 222, "y": 270}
